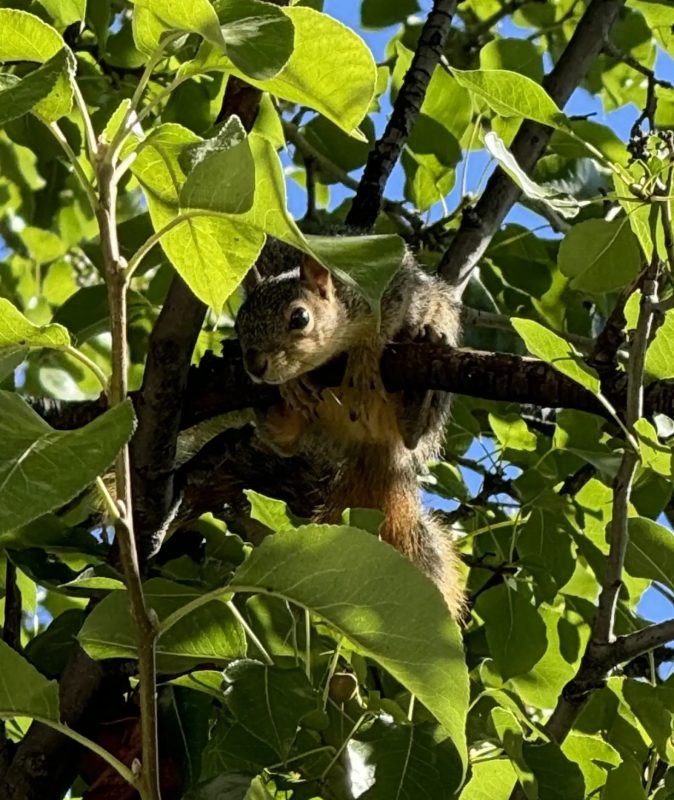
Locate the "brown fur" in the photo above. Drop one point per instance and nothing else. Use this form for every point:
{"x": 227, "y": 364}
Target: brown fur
{"x": 377, "y": 440}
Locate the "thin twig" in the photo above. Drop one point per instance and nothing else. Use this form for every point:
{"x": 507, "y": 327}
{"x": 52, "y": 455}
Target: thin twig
{"x": 308, "y": 151}
{"x": 602, "y": 650}
{"x": 488, "y": 319}
{"x": 144, "y": 619}
{"x": 386, "y": 152}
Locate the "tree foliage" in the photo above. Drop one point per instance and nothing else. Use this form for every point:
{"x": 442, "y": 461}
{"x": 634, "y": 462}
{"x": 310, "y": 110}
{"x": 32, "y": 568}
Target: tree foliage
{"x": 174, "y": 625}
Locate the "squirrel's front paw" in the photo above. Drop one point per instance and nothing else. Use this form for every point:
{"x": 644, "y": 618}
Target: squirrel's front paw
{"x": 302, "y": 395}
{"x": 424, "y": 333}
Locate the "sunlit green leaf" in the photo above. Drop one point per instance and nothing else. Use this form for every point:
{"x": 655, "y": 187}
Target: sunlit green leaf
{"x": 31, "y": 482}
{"x": 599, "y": 256}
{"x": 512, "y": 95}
{"x": 197, "y": 16}
{"x": 394, "y": 614}
{"x": 210, "y": 633}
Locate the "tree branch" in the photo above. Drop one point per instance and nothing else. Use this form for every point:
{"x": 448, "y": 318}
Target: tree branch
{"x": 385, "y": 154}
{"x": 633, "y": 645}
{"x": 220, "y": 384}
{"x": 160, "y": 401}
{"x": 480, "y": 223}
{"x": 597, "y": 659}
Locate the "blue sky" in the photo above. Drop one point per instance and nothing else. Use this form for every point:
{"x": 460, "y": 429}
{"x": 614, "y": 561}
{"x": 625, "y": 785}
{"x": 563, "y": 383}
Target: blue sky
{"x": 653, "y": 606}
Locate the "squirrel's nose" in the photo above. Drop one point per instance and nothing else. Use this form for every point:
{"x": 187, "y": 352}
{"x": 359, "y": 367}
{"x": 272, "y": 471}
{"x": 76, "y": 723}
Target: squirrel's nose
{"x": 256, "y": 362}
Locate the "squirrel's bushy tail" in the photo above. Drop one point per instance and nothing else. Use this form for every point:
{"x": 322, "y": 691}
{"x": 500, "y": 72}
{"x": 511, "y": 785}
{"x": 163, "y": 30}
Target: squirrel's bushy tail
{"x": 364, "y": 482}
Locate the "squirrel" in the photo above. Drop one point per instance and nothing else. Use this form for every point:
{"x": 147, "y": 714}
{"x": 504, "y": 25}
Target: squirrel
{"x": 293, "y": 323}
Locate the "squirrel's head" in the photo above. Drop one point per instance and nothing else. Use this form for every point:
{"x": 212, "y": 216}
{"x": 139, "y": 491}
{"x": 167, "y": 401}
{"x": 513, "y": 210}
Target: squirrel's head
{"x": 291, "y": 323}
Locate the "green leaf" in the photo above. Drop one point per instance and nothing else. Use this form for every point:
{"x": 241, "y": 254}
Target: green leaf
{"x": 563, "y": 203}
{"x": 382, "y": 13}
{"x": 43, "y": 245}
{"x": 650, "y": 551}
{"x": 24, "y": 692}
{"x": 368, "y": 262}
{"x": 25, "y": 37}
{"x": 209, "y": 633}
{"x": 545, "y": 551}
{"x": 512, "y": 95}
{"x": 224, "y": 179}
{"x": 212, "y": 254}
{"x": 516, "y": 55}
{"x": 512, "y": 431}
{"x": 593, "y": 755}
{"x": 231, "y": 748}
{"x": 510, "y": 735}
{"x": 515, "y": 631}
{"x": 652, "y": 706}
{"x": 599, "y": 255}
{"x": 337, "y": 81}
{"x": 393, "y": 614}
{"x": 31, "y": 482}
{"x": 558, "y": 777}
{"x": 65, "y": 12}
{"x": 654, "y": 454}
{"x": 259, "y": 37}
{"x": 46, "y": 91}
{"x": 15, "y": 329}
{"x": 659, "y": 364}
{"x": 541, "y": 686}
{"x": 10, "y": 358}
{"x": 270, "y": 512}
{"x": 86, "y": 313}
{"x": 208, "y": 681}
{"x": 561, "y": 355}
{"x": 407, "y": 762}
{"x": 624, "y": 782}
{"x": 197, "y": 16}
{"x": 269, "y": 702}
{"x": 490, "y": 780}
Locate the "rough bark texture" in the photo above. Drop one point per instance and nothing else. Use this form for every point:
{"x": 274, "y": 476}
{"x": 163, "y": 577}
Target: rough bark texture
{"x": 480, "y": 223}
{"x": 386, "y": 152}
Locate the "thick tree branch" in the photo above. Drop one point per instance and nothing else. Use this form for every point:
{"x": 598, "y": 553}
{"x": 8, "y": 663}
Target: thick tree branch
{"x": 386, "y": 152}
{"x": 220, "y": 384}
{"x": 480, "y": 223}
{"x": 159, "y": 404}
{"x": 235, "y": 460}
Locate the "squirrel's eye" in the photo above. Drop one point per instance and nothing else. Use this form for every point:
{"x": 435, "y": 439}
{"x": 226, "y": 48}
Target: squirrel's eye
{"x": 298, "y": 319}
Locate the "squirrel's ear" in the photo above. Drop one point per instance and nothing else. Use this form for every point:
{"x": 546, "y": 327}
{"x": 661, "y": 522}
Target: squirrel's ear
{"x": 315, "y": 277}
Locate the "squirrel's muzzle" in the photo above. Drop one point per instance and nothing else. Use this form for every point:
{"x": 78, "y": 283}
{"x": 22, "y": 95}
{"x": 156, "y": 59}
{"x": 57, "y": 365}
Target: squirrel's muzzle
{"x": 255, "y": 362}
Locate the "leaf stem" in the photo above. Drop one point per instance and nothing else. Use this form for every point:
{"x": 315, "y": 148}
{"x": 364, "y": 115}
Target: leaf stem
{"x": 346, "y": 741}
{"x": 156, "y": 237}
{"x": 115, "y": 763}
{"x": 112, "y": 152}
{"x": 70, "y": 153}
{"x": 84, "y": 359}
{"x": 89, "y": 132}
{"x": 250, "y": 633}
